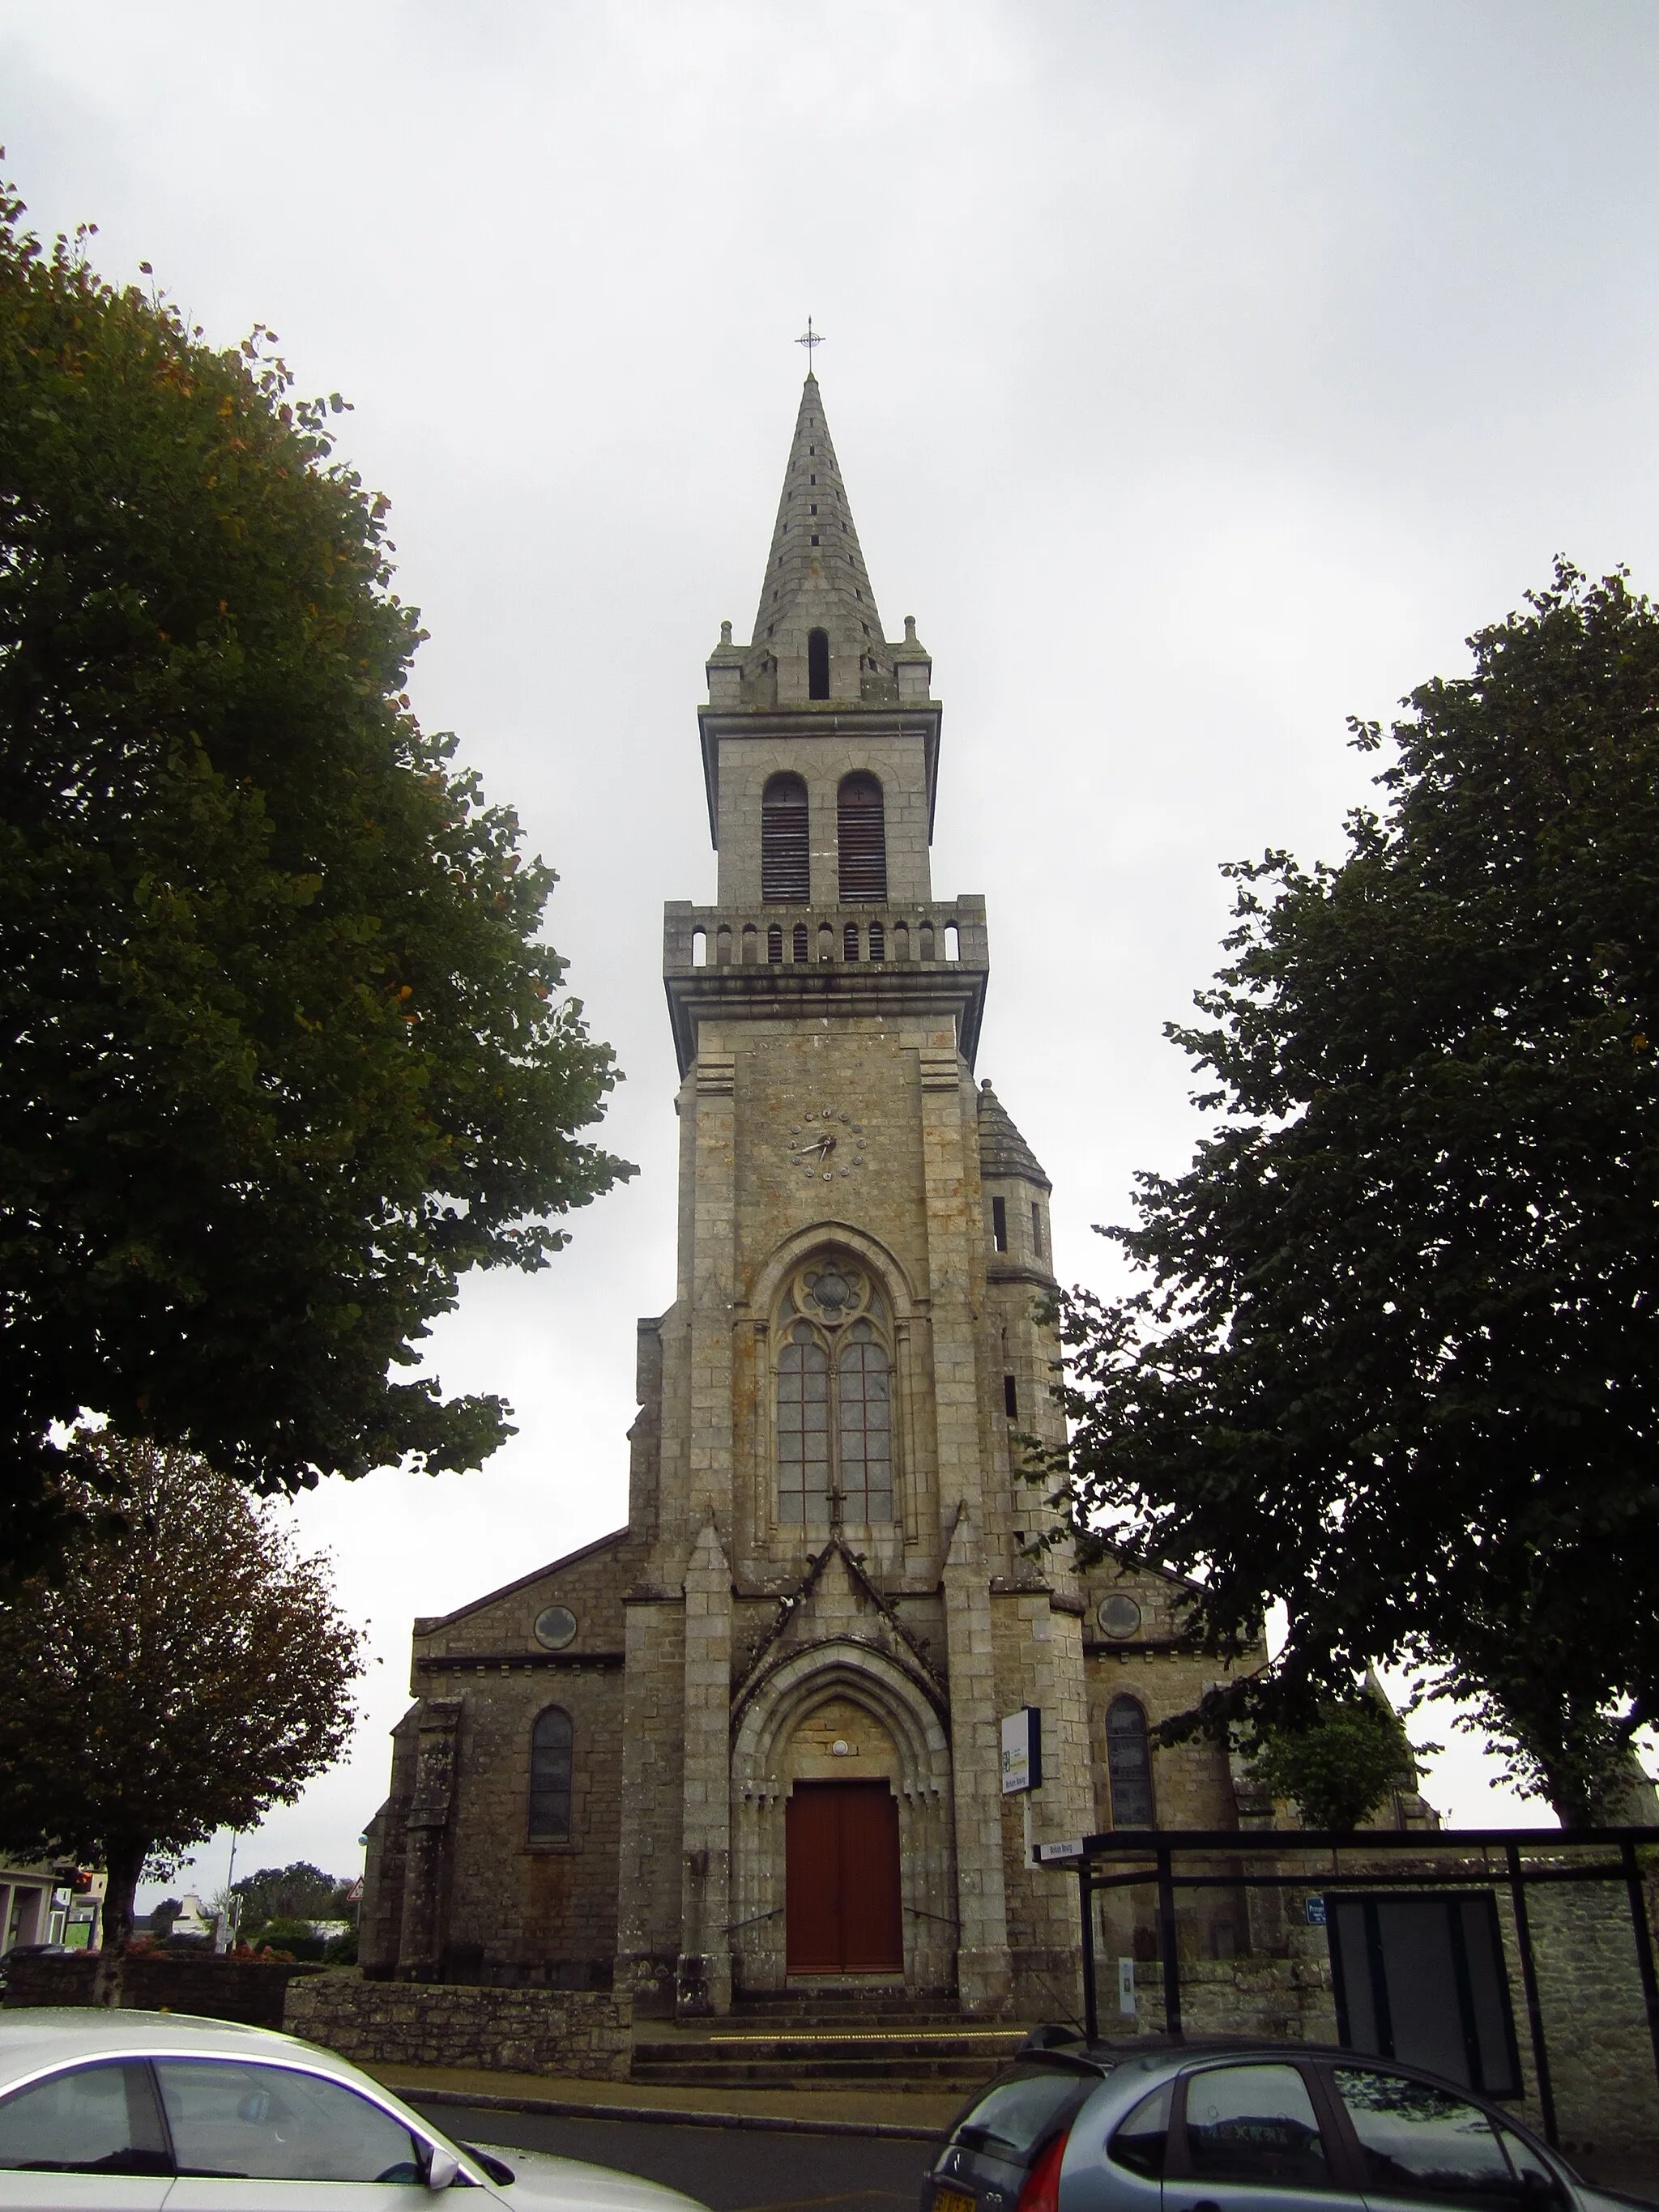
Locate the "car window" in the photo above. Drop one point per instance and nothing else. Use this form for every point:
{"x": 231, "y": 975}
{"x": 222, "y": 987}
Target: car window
{"x": 1541, "y": 2186}
{"x": 273, "y": 2124}
{"x": 1254, "y": 2124}
{"x": 1019, "y": 2112}
{"x": 1140, "y": 2141}
{"x": 1424, "y": 2146}
{"x": 88, "y": 2119}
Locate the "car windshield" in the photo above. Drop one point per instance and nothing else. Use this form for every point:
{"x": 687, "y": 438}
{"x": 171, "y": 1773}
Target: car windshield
{"x": 1018, "y": 2113}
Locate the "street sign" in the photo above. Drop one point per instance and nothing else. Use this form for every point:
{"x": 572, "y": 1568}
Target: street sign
{"x": 1022, "y": 1751}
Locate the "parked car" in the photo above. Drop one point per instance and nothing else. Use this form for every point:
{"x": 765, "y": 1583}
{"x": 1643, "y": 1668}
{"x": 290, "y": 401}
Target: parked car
{"x": 1231, "y": 2126}
{"x": 121, "y": 2111}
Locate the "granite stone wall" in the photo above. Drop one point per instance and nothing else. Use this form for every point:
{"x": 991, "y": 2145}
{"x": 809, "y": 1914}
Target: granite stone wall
{"x": 510, "y": 2031}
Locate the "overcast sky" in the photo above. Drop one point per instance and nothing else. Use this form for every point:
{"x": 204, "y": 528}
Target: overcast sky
{"x": 1201, "y": 373}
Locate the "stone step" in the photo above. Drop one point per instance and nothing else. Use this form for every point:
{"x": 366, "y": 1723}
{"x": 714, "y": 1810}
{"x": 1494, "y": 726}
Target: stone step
{"x": 877, "y": 2043}
{"x": 816, "y": 2073}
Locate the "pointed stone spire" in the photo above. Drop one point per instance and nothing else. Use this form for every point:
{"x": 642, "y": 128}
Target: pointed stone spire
{"x": 1003, "y": 1153}
{"x": 816, "y": 579}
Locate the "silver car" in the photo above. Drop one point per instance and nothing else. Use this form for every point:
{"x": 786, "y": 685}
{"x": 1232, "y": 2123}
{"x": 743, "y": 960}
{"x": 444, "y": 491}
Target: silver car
{"x": 1239, "y": 2127}
{"x": 132, "y": 2112}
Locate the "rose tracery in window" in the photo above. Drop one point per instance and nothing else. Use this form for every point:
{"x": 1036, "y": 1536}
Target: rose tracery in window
{"x": 834, "y": 1397}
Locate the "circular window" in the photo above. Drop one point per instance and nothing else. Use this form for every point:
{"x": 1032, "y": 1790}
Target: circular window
{"x": 1118, "y": 1615}
{"x": 555, "y": 1627}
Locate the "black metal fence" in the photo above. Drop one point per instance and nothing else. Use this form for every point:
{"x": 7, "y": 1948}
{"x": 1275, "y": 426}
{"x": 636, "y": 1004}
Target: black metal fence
{"x": 1153, "y": 1857}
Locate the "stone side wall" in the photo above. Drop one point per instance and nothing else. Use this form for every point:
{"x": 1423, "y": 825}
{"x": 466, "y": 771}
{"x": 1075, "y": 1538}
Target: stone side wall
{"x": 504, "y": 1908}
{"x": 516, "y": 2031}
{"x": 1590, "y": 1989}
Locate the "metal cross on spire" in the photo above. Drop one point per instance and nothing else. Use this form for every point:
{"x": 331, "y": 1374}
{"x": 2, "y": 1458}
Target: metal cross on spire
{"x": 809, "y": 338}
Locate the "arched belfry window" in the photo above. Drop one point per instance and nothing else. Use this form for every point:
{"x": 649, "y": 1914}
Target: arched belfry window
{"x": 861, "y": 839}
{"x": 833, "y": 1395}
{"x": 818, "y": 662}
{"x": 549, "y": 1777}
{"x": 1129, "y": 1763}
{"x": 786, "y": 857}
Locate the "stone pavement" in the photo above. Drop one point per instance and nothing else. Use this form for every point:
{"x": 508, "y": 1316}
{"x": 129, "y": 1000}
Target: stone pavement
{"x": 915, "y": 2115}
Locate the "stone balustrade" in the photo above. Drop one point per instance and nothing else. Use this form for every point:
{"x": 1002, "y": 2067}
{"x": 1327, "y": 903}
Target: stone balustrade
{"x": 900, "y": 936}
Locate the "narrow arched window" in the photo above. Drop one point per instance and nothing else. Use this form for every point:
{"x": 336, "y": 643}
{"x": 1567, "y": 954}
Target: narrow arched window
{"x": 1129, "y": 1765}
{"x": 818, "y": 662}
{"x": 803, "y": 1428}
{"x": 864, "y": 1409}
{"x": 549, "y": 1777}
{"x": 786, "y": 862}
{"x": 861, "y": 839}
{"x": 774, "y": 941}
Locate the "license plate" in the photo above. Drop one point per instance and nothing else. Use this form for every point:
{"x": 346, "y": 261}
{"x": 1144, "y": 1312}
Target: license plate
{"x": 952, "y": 2200}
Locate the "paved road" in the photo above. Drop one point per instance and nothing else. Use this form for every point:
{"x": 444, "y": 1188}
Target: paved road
{"x": 733, "y": 2169}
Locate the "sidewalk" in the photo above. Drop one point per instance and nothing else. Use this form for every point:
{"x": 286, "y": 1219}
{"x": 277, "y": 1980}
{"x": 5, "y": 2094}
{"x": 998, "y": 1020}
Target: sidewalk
{"x": 915, "y": 2116}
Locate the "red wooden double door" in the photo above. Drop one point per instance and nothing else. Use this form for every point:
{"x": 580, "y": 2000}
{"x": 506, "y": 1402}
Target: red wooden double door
{"x": 842, "y": 1884}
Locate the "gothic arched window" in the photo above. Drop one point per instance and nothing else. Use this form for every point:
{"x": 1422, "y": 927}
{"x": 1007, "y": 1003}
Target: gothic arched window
{"x": 864, "y": 1426}
{"x": 803, "y": 1428}
{"x": 861, "y": 839}
{"x": 818, "y": 662}
{"x": 786, "y": 858}
{"x": 1129, "y": 1765}
{"x": 549, "y": 1777}
{"x": 834, "y": 1398}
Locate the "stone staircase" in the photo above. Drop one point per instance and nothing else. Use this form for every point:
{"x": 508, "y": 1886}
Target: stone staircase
{"x": 826, "y": 2038}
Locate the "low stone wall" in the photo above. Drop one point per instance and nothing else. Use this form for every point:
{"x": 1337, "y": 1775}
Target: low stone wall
{"x": 511, "y": 2031}
{"x": 215, "y": 1988}
{"x": 1284, "y": 2000}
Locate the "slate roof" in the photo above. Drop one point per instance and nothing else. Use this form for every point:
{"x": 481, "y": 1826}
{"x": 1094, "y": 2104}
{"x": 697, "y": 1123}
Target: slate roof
{"x": 1002, "y": 1151}
{"x": 815, "y": 555}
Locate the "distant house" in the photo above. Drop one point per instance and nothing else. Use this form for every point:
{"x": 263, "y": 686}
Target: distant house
{"x": 46, "y": 1903}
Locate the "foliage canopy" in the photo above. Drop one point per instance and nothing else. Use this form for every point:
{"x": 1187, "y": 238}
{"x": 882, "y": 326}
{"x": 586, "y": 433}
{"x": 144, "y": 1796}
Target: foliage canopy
{"x": 280, "y": 1056}
{"x": 1342, "y": 1764}
{"x": 185, "y": 1671}
{"x": 1395, "y": 1364}
{"x": 299, "y": 1892}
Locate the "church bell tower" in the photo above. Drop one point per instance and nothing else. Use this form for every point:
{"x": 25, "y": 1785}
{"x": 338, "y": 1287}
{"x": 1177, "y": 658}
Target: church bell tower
{"x": 837, "y": 1605}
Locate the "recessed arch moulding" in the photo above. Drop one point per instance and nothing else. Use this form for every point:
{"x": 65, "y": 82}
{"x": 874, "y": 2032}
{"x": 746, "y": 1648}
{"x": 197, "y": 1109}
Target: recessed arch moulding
{"x": 904, "y": 1741}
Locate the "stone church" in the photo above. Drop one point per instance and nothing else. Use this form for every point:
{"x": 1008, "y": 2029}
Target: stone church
{"x": 751, "y": 1740}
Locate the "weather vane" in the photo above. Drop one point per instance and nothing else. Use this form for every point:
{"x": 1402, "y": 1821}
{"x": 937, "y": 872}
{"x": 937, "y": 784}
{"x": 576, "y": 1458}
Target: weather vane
{"x": 809, "y": 338}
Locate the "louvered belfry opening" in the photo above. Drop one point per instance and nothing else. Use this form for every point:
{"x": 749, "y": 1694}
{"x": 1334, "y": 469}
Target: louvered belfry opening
{"x": 785, "y": 855}
{"x": 861, "y": 839}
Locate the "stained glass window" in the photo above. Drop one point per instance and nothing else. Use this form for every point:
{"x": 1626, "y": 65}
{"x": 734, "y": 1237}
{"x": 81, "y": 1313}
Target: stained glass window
{"x": 1129, "y": 1765}
{"x": 804, "y": 1428}
{"x": 549, "y": 1777}
{"x": 864, "y": 1403}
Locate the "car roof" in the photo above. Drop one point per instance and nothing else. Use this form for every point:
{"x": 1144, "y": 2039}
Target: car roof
{"x": 36, "y": 2036}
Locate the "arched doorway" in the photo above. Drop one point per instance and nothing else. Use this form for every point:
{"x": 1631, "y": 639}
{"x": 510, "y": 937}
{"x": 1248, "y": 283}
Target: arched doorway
{"x": 843, "y": 1906}
{"x": 840, "y": 1712}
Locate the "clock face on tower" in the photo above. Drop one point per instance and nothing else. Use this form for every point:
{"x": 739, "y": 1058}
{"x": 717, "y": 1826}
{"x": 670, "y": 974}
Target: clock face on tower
{"x": 826, "y": 1144}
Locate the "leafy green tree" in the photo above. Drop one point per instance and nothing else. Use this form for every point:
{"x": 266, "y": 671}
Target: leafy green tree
{"x": 282, "y": 1055}
{"x": 1395, "y": 1360}
{"x": 185, "y": 1671}
{"x": 300, "y": 1892}
{"x": 1340, "y": 1766}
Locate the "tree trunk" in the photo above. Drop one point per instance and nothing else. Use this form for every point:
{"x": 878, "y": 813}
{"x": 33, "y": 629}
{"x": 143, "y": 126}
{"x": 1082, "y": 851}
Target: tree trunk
{"x": 123, "y": 1863}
